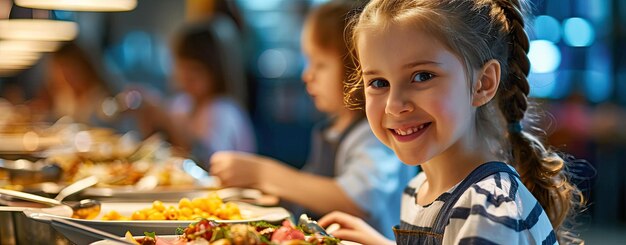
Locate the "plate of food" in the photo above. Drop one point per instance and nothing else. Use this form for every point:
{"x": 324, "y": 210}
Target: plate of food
{"x": 210, "y": 232}
{"x": 165, "y": 218}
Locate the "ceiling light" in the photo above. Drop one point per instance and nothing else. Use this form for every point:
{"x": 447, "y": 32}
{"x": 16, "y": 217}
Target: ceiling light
{"x": 16, "y": 60}
{"x": 80, "y": 5}
{"x": 38, "y": 30}
{"x": 27, "y": 46}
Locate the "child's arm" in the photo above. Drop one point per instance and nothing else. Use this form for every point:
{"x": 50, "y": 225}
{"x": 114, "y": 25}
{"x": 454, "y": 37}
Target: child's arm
{"x": 320, "y": 194}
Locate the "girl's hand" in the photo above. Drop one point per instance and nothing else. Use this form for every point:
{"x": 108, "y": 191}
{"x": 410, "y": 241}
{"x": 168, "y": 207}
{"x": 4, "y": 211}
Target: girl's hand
{"x": 353, "y": 229}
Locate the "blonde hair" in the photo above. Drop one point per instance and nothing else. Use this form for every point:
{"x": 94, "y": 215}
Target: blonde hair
{"x": 479, "y": 31}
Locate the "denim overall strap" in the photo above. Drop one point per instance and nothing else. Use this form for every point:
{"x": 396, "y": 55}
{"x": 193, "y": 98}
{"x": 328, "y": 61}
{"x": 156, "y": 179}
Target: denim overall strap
{"x": 483, "y": 171}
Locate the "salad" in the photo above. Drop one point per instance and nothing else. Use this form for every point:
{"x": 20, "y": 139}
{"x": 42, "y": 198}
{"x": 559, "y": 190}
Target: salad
{"x": 254, "y": 233}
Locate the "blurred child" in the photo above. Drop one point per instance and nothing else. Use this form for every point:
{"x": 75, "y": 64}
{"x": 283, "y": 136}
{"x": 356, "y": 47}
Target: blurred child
{"x": 348, "y": 168}
{"x": 203, "y": 118}
{"x": 445, "y": 87}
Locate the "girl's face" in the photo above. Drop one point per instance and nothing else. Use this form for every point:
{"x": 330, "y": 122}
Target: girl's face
{"x": 416, "y": 91}
{"x": 192, "y": 77}
{"x": 323, "y": 75}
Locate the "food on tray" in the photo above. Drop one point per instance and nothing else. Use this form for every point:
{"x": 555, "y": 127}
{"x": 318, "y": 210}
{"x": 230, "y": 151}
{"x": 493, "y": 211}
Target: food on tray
{"x": 210, "y": 207}
{"x": 253, "y": 233}
{"x": 122, "y": 172}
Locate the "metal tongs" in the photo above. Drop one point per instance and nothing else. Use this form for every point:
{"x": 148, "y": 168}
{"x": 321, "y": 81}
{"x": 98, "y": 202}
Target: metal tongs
{"x": 310, "y": 226}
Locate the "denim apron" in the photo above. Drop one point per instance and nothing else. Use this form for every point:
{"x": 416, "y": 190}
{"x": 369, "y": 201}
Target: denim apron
{"x": 405, "y": 235}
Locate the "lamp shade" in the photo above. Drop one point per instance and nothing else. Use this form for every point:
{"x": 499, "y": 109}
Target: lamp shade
{"x": 14, "y": 61}
{"x": 38, "y": 30}
{"x": 27, "y": 46}
{"x": 80, "y": 5}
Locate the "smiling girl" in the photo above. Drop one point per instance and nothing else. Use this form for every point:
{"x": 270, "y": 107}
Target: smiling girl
{"x": 444, "y": 85}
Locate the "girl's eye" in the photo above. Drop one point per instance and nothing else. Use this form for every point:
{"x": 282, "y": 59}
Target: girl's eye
{"x": 378, "y": 83}
{"x": 422, "y": 77}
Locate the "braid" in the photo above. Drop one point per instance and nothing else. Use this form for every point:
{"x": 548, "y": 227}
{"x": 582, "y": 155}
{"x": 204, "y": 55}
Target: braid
{"x": 516, "y": 89}
{"x": 542, "y": 171}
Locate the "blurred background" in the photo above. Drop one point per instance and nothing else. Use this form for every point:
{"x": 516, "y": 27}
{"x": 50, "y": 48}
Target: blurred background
{"x": 578, "y": 76}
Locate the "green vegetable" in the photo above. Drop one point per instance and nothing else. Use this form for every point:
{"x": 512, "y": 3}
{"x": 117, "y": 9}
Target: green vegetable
{"x": 150, "y": 234}
{"x": 265, "y": 240}
{"x": 219, "y": 233}
{"x": 262, "y": 224}
{"x": 180, "y": 231}
{"x": 331, "y": 240}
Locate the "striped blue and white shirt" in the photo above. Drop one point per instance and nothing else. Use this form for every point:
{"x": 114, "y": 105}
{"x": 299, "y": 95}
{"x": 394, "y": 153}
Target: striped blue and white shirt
{"x": 497, "y": 210}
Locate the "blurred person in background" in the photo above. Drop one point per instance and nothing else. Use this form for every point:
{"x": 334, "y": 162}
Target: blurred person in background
{"x": 73, "y": 88}
{"x": 348, "y": 168}
{"x": 202, "y": 117}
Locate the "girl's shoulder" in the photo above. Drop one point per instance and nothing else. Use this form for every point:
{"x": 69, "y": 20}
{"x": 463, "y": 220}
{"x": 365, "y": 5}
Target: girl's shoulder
{"x": 501, "y": 194}
{"x": 500, "y": 204}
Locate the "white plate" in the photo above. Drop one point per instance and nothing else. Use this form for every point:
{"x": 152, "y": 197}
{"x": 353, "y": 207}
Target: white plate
{"x": 164, "y": 227}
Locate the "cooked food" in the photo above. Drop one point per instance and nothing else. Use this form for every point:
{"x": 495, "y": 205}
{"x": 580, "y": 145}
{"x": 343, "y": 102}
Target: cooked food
{"x": 122, "y": 171}
{"x": 253, "y": 233}
{"x": 210, "y": 207}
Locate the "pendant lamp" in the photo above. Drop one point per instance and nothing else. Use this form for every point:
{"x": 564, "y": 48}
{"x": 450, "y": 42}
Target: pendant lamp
{"x": 80, "y": 5}
{"x": 38, "y": 30}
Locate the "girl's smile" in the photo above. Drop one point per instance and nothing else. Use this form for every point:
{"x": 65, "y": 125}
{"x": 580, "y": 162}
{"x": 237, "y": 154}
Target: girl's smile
{"x": 409, "y": 133}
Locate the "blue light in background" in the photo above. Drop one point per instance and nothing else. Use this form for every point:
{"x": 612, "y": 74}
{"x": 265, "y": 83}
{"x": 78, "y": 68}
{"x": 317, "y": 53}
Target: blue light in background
{"x": 544, "y": 56}
{"x": 268, "y": 20}
{"x": 164, "y": 59}
{"x": 272, "y": 63}
{"x": 598, "y": 86}
{"x": 542, "y": 85}
{"x": 597, "y": 79}
{"x": 598, "y": 75}
{"x": 547, "y": 28}
{"x": 136, "y": 49}
{"x": 63, "y": 15}
{"x": 578, "y": 32}
{"x": 265, "y": 5}
{"x": 318, "y": 2}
